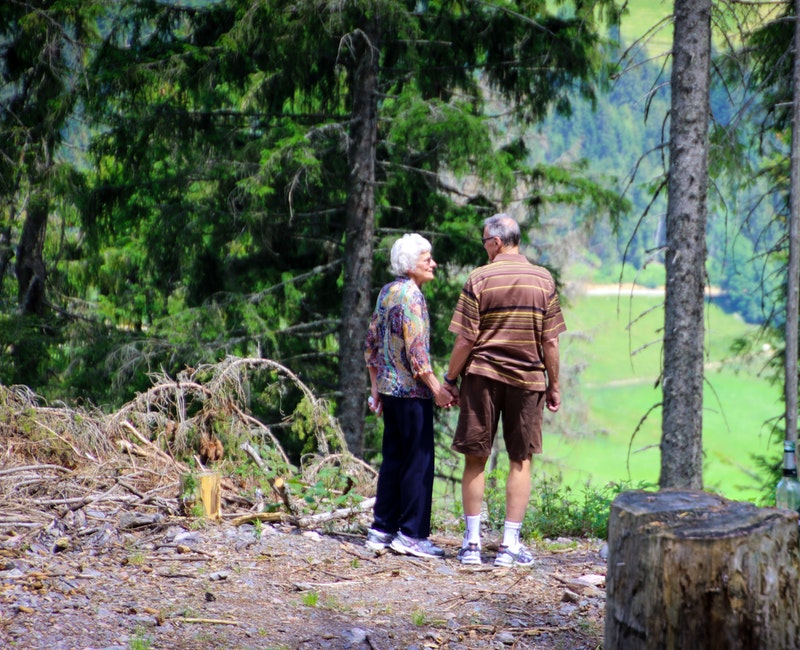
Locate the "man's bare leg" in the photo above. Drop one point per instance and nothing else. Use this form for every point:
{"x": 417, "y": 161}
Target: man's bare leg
{"x": 473, "y": 484}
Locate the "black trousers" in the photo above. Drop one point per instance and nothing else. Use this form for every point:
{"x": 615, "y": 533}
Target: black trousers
{"x": 405, "y": 478}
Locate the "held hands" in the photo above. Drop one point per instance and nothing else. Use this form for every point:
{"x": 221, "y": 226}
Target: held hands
{"x": 446, "y": 396}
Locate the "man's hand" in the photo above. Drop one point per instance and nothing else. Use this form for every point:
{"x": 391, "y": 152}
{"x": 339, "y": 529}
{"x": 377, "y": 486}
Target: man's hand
{"x": 551, "y": 366}
{"x": 553, "y": 398}
{"x": 452, "y": 392}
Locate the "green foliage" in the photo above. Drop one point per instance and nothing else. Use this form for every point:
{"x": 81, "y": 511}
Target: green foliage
{"x": 560, "y": 510}
{"x": 189, "y": 485}
{"x": 26, "y": 349}
{"x": 311, "y": 598}
{"x": 307, "y": 422}
{"x": 140, "y": 640}
{"x": 555, "y": 509}
{"x": 208, "y": 217}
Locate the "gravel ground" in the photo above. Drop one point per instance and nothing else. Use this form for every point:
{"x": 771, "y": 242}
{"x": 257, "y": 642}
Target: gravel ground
{"x": 182, "y": 583}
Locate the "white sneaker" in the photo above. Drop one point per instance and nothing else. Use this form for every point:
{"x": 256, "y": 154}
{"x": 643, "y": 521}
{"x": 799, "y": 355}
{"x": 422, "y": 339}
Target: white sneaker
{"x": 508, "y": 558}
{"x": 378, "y": 540}
{"x": 416, "y": 547}
{"x": 469, "y": 554}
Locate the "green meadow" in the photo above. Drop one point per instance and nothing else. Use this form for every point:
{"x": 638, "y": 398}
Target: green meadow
{"x": 609, "y": 427}
{"x": 648, "y": 20}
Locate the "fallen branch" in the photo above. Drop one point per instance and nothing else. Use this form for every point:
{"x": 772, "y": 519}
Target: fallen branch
{"x": 166, "y": 457}
{"x": 250, "y": 451}
{"x": 341, "y": 513}
{"x": 213, "y": 621}
{"x": 134, "y": 472}
{"x": 258, "y": 516}
{"x": 33, "y": 468}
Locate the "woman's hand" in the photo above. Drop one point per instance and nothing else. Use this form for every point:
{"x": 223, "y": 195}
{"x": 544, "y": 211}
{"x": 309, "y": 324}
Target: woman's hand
{"x": 375, "y": 403}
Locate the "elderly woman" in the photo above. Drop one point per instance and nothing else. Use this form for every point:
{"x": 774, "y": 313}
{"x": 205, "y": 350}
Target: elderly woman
{"x": 404, "y": 386}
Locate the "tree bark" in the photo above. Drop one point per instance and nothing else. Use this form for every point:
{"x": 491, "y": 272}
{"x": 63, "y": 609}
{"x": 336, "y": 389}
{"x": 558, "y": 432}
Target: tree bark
{"x": 31, "y": 274}
{"x": 359, "y": 235}
{"x": 681, "y": 440}
{"x": 689, "y": 570}
{"x": 6, "y": 250}
{"x": 793, "y": 274}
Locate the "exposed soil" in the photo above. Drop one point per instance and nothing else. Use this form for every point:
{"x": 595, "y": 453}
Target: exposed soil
{"x": 180, "y": 583}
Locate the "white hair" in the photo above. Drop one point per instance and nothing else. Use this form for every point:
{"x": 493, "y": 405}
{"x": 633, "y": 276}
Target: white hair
{"x": 406, "y": 252}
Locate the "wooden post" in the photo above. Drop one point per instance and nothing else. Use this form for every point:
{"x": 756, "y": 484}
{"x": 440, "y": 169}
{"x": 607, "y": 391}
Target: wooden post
{"x": 688, "y": 570}
{"x": 210, "y": 494}
{"x": 202, "y": 488}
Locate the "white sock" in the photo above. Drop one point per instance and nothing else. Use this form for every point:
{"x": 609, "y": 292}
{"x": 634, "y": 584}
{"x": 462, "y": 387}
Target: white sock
{"x": 511, "y": 534}
{"x": 472, "y": 535}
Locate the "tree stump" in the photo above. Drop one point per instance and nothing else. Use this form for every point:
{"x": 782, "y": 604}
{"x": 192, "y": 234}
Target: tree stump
{"x": 691, "y": 570}
{"x": 201, "y": 494}
{"x": 210, "y": 494}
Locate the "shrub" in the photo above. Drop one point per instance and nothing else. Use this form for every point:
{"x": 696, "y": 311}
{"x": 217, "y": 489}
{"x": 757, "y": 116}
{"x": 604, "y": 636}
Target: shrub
{"x": 555, "y": 509}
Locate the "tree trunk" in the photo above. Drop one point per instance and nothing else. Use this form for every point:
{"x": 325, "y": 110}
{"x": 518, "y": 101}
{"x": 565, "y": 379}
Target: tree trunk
{"x": 793, "y": 279}
{"x": 31, "y": 272}
{"x": 360, "y": 231}
{"x": 689, "y": 570}
{"x": 681, "y": 440}
{"x": 6, "y": 249}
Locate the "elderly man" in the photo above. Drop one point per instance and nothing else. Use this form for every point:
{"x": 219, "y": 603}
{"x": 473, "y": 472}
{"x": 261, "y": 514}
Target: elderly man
{"x": 507, "y": 322}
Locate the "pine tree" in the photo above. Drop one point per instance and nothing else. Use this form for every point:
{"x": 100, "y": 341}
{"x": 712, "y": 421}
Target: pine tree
{"x": 43, "y": 49}
{"x": 257, "y": 158}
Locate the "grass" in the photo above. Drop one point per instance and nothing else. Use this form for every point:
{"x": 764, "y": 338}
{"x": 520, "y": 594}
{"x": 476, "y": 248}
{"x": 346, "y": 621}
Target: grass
{"x": 605, "y": 438}
{"x": 419, "y": 618}
{"x": 615, "y": 423}
{"x": 641, "y": 17}
{"x": 639, "y": 22}
{"x": 311, "y": 598}
{"x": 140, "y": 641}
{"x": 136, "y": 558}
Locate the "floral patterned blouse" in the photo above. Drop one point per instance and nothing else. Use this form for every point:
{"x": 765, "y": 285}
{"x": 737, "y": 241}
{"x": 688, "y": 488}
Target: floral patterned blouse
{"x": 398, "y": 340}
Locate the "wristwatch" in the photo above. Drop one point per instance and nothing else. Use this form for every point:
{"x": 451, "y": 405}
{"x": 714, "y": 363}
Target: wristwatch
{"x": 450, "y": 382}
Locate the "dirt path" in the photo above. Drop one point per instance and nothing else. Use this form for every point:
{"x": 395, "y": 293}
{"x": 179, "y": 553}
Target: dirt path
{"x": 166, "y": 585}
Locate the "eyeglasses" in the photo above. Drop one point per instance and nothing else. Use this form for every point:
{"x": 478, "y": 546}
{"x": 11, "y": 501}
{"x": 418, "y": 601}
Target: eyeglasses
{"x": 485, "y": 239}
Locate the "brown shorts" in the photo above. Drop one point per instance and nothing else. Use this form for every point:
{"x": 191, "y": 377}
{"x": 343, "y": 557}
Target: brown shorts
{"x": 482, "y": 402}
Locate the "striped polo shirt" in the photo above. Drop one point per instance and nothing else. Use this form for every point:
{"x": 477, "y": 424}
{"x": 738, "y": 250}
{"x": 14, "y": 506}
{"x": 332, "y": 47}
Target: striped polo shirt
{"x": 508, "y": 307}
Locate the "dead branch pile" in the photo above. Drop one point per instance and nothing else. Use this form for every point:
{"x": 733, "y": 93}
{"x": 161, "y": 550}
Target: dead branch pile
{"x": 60, "y": 461}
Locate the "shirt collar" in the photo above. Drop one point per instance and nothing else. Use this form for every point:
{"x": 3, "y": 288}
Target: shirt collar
{"x": 509, "y": 257}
